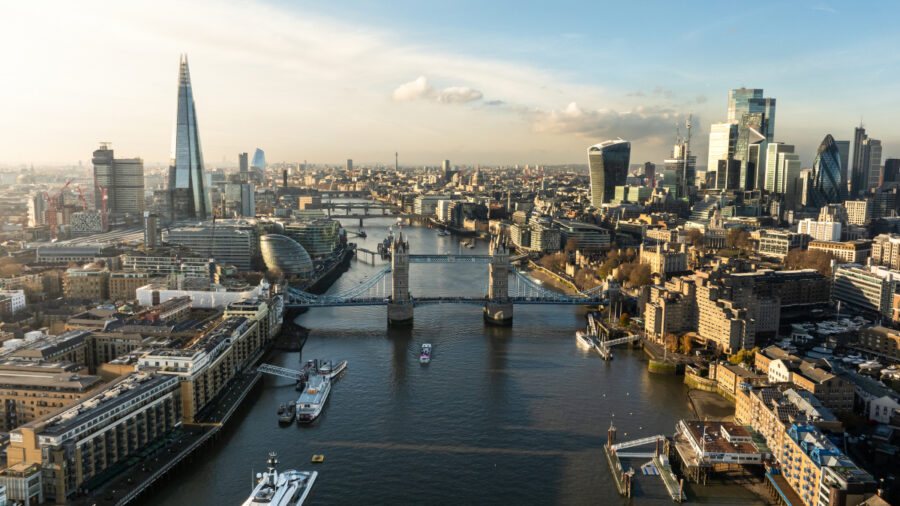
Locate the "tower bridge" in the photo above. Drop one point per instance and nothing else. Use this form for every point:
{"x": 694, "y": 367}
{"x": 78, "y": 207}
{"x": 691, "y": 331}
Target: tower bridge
{"x": 497, "y": 303}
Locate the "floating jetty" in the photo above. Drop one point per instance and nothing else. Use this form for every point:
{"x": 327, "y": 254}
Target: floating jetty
{"x": 625, "y": 478}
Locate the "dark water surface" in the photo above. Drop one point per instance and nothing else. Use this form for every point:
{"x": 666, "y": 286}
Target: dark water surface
{"x": 501, "y": 416}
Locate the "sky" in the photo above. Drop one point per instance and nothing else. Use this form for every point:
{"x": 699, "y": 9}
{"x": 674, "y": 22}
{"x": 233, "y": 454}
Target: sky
{"x": 474, "y": 82}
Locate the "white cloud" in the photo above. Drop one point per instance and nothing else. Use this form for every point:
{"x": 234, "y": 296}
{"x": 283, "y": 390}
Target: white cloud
{"x": 458, "y": 95}
{"x": 420, "y": 88}
{"x": 642, "y": 123}
{"x": 413, "y": 90}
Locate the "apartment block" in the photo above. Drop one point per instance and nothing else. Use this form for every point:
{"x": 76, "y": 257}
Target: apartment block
{"x": 88, "y": 282}
{"x": 886, "y": 250}
{"x": 881, "y": 341}
{"x": 31, "y": 390}
{"x": 208, "y": 364}
{"x": 99, "y": 432}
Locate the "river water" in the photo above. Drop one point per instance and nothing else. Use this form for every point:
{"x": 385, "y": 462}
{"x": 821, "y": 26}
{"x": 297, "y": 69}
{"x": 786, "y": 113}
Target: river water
{"x": 513, "y": 415}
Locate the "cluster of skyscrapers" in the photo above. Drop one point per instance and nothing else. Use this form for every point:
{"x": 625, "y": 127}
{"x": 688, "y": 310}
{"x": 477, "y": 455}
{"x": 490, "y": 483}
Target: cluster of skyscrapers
{"x": 744, "y": 156}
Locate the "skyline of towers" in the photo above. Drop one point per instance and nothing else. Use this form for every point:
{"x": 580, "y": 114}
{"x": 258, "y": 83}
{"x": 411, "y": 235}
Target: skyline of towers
{"x": 187, "y": 177}
{"x": 608, "y": 164}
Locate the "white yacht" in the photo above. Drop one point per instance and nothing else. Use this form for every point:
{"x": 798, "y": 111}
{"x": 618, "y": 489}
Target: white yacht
{"x": 584, "y": 339}
{"x": 425, "y": 356}
{"x": 312, "y": 400}
{"x": 331, "y": 370}
{"x": 289, "y": 488}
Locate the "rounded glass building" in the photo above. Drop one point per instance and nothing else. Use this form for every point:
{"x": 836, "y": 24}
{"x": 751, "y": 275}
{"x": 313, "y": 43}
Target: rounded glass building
{"x": 286, "y": 255}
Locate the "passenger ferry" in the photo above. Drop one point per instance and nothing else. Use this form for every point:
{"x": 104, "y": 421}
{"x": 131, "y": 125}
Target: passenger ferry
{"x": 425, "y": 356}
{"x": 312, "y": 400}
{"x": 289, "y": 488}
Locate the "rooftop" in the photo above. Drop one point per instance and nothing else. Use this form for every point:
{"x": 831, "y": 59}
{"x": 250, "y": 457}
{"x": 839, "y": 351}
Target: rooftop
{"x": 99, "y": 403}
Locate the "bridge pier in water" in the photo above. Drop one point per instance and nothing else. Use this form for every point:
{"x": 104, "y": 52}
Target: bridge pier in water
{"x": 400, "y": 308}
{"x": 498, "y": 310}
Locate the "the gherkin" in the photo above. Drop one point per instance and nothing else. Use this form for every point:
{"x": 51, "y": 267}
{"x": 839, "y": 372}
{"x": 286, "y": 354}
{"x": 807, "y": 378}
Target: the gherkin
{"x": 187, "y": 179}
{"x": 827, "y": 174}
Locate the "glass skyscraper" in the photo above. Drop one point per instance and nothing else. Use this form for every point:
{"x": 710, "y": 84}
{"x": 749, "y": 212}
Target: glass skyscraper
{"x": 187, "y": 181}
{"x": 826, "y": 174}
{"x": 608, "y": 162}
{"x": 748, "y": 101}
{"x": 259, "y": 160}
{"x": 750, "y": 143}
{"x": 873, "y": 162}
{"x": 859, "y": 171}
{"x": 722, "y": 138}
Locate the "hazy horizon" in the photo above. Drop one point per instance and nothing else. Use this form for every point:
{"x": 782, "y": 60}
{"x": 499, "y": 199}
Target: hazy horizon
{"x": 475, "y": 84}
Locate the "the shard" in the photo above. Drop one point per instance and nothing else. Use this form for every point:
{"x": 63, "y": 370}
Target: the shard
{"x": 187, "y": 181}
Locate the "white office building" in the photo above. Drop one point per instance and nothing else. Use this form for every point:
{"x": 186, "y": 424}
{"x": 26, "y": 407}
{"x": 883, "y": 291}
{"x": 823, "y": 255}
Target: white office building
{"x": 820, "y": 230}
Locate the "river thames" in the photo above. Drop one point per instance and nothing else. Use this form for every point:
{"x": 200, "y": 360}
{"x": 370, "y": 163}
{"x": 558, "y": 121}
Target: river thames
{"x": 502, "y": 415}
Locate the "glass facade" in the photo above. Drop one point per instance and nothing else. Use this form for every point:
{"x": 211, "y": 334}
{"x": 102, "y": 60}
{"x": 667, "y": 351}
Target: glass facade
{"x": 743, "y": 101}
{"x": 285, "y": 254}
{"x": 319, "y": 237}
{"x": 750, "y": 142}
{"x": 186, "y": 175}
{"x": 608, "y": 162}
{"x": 776, "y": 178}
{"x": 259, "y": 160}
{"x": 826, "y": 174}
{"x": 722, "y": 138}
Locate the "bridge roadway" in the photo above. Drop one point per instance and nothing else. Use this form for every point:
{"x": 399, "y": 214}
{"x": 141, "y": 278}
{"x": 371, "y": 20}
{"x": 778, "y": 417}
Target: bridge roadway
{"x": 428, "y": 301}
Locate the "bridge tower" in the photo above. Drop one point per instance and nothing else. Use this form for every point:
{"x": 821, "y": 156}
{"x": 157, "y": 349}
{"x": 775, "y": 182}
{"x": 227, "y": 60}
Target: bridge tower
{"x": 400, "y": 308}
{"x": 498, "y": 309}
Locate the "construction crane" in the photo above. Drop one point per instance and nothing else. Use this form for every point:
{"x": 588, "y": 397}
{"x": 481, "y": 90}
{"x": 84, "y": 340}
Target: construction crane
{"x": 81, "y": 197}
{"x": 54, "y": 204}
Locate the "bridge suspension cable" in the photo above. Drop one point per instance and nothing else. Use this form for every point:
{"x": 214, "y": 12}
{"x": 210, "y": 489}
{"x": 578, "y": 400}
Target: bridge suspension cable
{"x": 351, "y": 293}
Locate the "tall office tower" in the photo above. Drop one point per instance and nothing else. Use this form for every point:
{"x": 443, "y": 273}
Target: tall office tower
{"x": 650, "y": 174}
{"x": 684, "y": 165}
{"x": 123, "y": 179}
{"x": 789, "y": 166}
{"x": 775, "y": 171}
{"x": 722, "y": 139}
{"x": 872, "y": 152}
{"x": 244, "y": 167}
{"x": 826, "y": 174}
{"x": 445, "y": 165}
{"x": 728, "y": 175}
{"x": 891, "y": 169}
{"x": 749, "y": 101}
{"x": 608, "y": 162}
{"x": 859, "y": 177}
{"x": 750, "y": 150}
{"x": 187, "y": 179}
{"x": 259, "y": 160}
{"x": 742, "y": 102}
{"x": 240, "y": 200}
{"x": 396, "y": 162}
{"x": 152, "y": 230}
{"x": 805, "y": 187}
